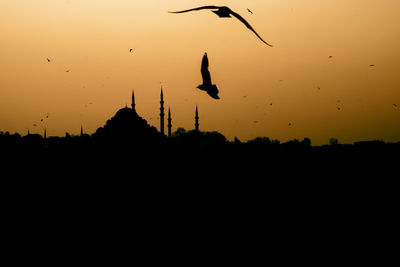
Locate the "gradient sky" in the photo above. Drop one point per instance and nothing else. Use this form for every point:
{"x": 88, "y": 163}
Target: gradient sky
{"x": 92, "y": 38}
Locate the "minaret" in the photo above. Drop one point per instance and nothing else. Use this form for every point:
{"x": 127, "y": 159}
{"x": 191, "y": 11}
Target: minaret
{"x": 44, "y": 135}
{"x": 81, "y": 131}
{"x": 133, "y": 100}
{"x": 196, "y": 120}
{"x": 169, "y": 122}
{"x": 162, "y": 113}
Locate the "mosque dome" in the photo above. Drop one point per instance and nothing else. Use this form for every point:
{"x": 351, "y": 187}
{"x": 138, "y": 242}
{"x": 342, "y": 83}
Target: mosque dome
{"x": 128, "y": 127}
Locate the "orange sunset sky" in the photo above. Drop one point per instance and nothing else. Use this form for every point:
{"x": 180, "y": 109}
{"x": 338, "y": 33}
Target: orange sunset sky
{"x": 92, "y": 38}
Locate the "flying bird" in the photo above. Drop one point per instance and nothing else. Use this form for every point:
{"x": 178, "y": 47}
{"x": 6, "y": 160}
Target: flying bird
{"x": 372, "y": 65}
{"x": 130, "y": 50}
{"x": 224, "y": 12}
{"x": 330, "y": 56}
{"x": 207, "y": 85}
{"x": 48, "y": 60}
{"x": 248, "y": 10}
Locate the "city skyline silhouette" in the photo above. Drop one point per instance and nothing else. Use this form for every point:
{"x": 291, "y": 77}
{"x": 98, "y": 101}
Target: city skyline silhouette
{"x": 70, "y": 65}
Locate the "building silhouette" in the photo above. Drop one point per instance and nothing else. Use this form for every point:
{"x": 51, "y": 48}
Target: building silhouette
{"x": 126, "y": 126}
{"x": 162, "y": 112}
{"x": 169, "y": 122}
{"x": 196, "y": 120}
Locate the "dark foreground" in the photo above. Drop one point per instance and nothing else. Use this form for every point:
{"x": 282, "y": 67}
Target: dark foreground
{"x": 209, "y": 199}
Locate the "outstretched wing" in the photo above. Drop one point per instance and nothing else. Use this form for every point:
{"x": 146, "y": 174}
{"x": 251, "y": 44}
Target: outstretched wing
{"x": 248, "y": 26}
{"x": 205, "y": 73}
{"x": 195, "y": 9}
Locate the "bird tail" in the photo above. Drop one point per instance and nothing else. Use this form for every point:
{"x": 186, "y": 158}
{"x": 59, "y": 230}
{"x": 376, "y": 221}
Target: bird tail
{"x": 201, "y": 87}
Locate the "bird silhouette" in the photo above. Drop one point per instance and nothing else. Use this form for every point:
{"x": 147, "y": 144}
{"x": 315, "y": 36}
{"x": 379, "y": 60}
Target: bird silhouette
{"x": 207, "y": 85}
{"x": 248, "y": 10}
{"x": 372, "y": 65}
{"x": 130, "y": 50}
{"x": 224, "y": 12}
{"x": 48, "y": 60}
{"x": 330, "y": 56}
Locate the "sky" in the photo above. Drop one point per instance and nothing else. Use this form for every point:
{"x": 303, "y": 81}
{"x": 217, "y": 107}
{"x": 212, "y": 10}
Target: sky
{"x": 91, "y": 72}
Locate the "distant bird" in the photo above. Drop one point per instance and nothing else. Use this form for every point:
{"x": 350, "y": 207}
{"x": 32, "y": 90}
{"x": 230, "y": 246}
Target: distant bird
{"x": 130, "y": 50}
{"x": 330, "y": 56}
{"x": 255, "y": 121}
{"x": 270, "y": 104}
{"x": 395, "y": 105}
{"x": 245, "y": 96}
{"x": 319, "y": 88}
{"x": 280, "y": 80}
{"x": 41, "y": 119}
{"x": 67, "y": 71}
{"x": 290, "y": 124}
{"x": 48, "y": 60}
{"x": 35, "y": 124}
{"x": 224, "y": 12}
{"x": 249, "y": 11}
{"x": 338, "y": 108}
{"x": 372, "y": 65}
{"x": 207, "y": 85}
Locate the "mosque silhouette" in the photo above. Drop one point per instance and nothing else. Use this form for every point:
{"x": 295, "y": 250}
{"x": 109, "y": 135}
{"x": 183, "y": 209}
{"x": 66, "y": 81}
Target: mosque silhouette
{"x": 128, "y": 125}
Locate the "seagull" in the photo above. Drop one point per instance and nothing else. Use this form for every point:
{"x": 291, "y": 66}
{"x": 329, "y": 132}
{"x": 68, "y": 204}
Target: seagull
{"x": 249, "y": 11}
{"x": 207, "y": 85}
{"x": 224, "y": 12}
